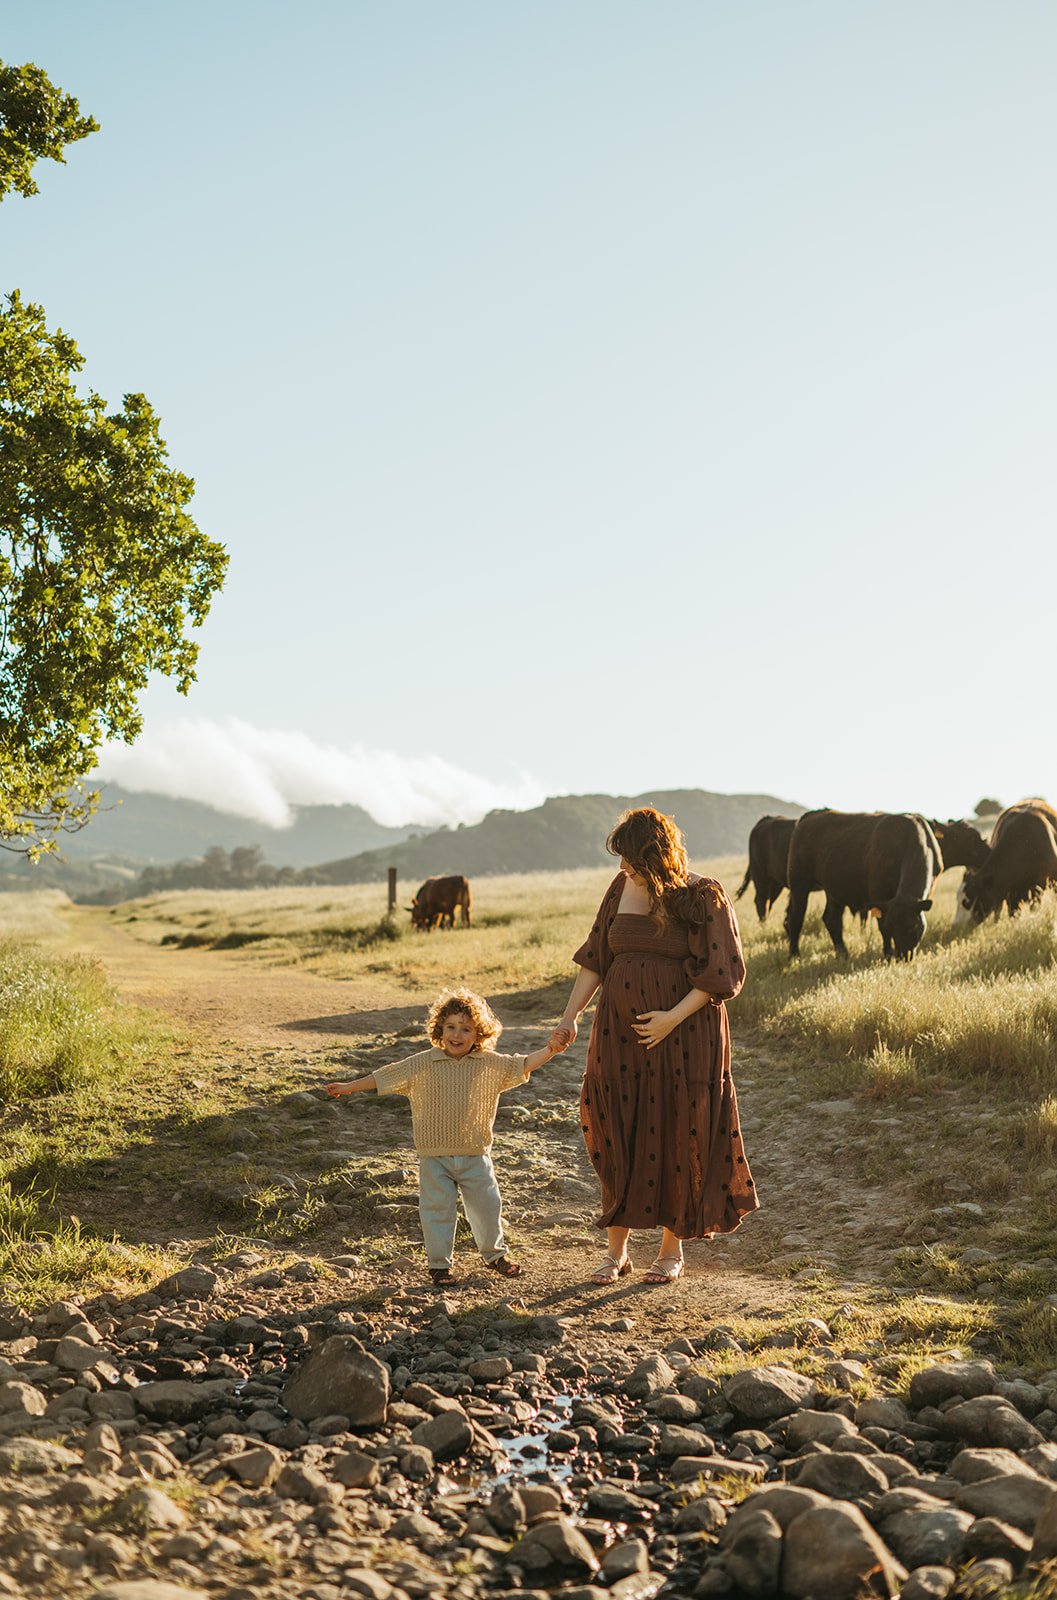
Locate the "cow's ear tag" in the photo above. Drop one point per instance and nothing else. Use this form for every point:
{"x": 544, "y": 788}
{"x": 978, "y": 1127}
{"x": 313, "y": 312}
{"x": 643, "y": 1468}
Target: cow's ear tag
{"x": 875, "y": 911}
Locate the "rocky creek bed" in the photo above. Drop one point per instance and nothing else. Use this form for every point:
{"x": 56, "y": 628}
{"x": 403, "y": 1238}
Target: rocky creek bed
{"x": 247, "y": 1436}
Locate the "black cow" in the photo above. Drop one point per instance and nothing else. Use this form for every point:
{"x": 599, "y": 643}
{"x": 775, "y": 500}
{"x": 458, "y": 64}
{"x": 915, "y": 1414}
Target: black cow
{"x": 864, "y": 861}
{"x": 768, "y": 869}
{"x": 961, "y": 845}
{"x": 1022, "y": 860}
{"x": 437, "y": 902}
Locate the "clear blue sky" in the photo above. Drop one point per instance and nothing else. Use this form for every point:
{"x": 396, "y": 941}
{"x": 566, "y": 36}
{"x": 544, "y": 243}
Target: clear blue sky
{"x": 593, "y": 395}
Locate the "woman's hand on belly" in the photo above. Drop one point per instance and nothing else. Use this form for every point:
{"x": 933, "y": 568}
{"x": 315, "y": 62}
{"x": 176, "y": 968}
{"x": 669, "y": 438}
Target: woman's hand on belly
{"x": 653, "y": 1026}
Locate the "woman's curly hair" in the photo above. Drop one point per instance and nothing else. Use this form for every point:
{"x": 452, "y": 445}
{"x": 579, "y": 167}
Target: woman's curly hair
{"x": 452, "y": 1001}
{"x": 651, "y": 843}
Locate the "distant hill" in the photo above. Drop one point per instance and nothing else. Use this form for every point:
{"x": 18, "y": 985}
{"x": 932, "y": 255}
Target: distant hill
{"x": 140, "y": 828}
{"x": 567, "y": 831}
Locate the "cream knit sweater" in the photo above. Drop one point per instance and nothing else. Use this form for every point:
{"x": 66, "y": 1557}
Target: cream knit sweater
{"x": 453, "y": 1101}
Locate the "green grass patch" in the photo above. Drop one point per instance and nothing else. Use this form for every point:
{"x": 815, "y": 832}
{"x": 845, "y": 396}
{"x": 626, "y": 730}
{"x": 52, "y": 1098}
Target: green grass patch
{"x": 60, "y": 1026}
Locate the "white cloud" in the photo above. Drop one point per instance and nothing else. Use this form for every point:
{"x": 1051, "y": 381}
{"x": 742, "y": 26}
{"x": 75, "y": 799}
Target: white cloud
{"x": 262, "y": 772}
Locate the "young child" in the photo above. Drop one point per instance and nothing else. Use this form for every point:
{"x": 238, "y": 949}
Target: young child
{"x": 454, "y": 1089}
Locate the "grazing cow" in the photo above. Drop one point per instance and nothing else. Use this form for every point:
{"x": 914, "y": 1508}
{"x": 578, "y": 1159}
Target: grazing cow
{"x": 1022, "y": 860}
{"x": 437, "y": 902}
{"x": 768, "y": 869}
{"x": 961, "y": 845}
{"x": 864, "y": 861}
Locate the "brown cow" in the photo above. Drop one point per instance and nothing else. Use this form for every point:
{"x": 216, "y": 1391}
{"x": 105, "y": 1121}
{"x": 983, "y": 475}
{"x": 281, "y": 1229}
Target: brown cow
{"x": 1022, "y": 860}
{"x": 437, "y": 902}
{"x": 864, "y": 861}
{"x": 768, "y": 869}
{"x": 961, "y": 845}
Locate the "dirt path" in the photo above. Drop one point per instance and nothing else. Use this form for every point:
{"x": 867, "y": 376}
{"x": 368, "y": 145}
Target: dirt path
{"x": 820, "y": 1216}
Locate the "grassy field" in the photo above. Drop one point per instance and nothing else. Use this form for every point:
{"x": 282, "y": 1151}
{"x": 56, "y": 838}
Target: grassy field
{"x": 945, "y": 1071}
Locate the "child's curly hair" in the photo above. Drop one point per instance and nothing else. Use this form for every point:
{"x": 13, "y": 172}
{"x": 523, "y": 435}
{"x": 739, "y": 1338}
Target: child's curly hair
{"x": 480, "y": 1013}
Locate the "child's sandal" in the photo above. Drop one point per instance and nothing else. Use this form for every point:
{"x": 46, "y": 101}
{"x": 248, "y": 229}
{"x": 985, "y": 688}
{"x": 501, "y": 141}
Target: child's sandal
{"x": 442, "y": 1277}
{"x": 505, "y": 1267}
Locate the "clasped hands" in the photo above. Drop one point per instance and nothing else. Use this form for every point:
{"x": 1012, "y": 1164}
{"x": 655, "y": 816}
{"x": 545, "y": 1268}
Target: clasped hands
{"x": 651, "y": 1027}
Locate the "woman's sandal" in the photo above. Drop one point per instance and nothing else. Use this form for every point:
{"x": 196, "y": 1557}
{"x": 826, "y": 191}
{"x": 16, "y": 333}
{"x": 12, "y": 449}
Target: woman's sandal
{"x": 610, "y": 1269}
{"x": 505, "y": 1267}
{"x": 664, "y": 1270}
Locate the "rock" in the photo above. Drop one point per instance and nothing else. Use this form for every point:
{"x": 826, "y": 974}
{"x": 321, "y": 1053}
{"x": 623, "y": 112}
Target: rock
{"x": 926, "y": 1535}
{"x": 190, "y": 1283}
{"x": 882, "y": 1411}
{"x": 613, "y": 1502}
{"x": 370, "y": 1585}
{"x": 832, "y": 1551}
{"x": 420, "y": 1530}
{"x": 21, "y": 1399}
{"x": 684, "y": 1467}
{"x": 1044, "y": 1545}
{"x": 841, "y": 1477}
{"x": 623, "y": 1559}
{"x": 26, "y": 1456}
{"x": 341, "y": 1377}
{"x": 989, "y": 1420}
{"x": 506, "y": 1510}
{"x": 115, "y": 1406}
{"x": 539, "y": 1499}
{"x": 988, "y": 1538}
{"x": 650, "y": 1377}
{"x": 935, "y": 1384}
{"x": 354, "y": 1469}
{"x": 180, "y": 1399}
{"x": 445, "y": 1435}
{"x": 257, "y": 1468}
{"x": 818, "y": 1427}
{"x": 674, "y": 1407}
{"x": 929, "y": 1583}
{"x": 784, "y": 1502}
{"x": 752, "y": 1554}
{"x": 1013, "y": 1498}
{"x": 148, "y": 1589}
{"x": 146, "y": 1510}
{"x": 703, "y": 1515}
{"x": 75, "y": 1355}
{"x": 675, "y": 1441}
{"x": 299, "y": 1482}
{"x": 556, "y": 1543}
{"x": 985, "y": 1578}
{"x": 492, "y": 1369}
{"x": 765, "y": 1393}
{"x": 973, "y": 1466}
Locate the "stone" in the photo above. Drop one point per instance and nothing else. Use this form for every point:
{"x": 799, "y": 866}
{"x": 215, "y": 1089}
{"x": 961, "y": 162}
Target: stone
{"x": 703, "y": 1515}
{"x": 340, "y": 1378}
{"x": 190, "y": 1283}
{"x": 926, "y": 1535}
{"x": 989, "y": 1420}
{"x": 929, "y": 1583}
{"x": 985, "y": 1578}
{"x": 1044, "y": 1544}
{"x": 1013, "y": 1498}
{"x": 784, "y": 1501}
{"x": 675, "y": 1441}
{"x": 491, "y": 1369}
{"x": 75, "y": 1355}
{"x": 354, "y": 1469}
{"x": 818, "y": 1427}
{"x": 370, "y": 1585}
{"x": 26, "y": 1456}
{"x": 115, "y": 1405}
{"x": 146, "y": 1509}
{"x": 882, "y": 1411}
{"x": 625, "y": 1558}
{"x": 832, "y": 1551}
{"x": 180, "y": 1399}
{"x": 506, "y": 1510}
{"x": 989, "y": 1537}
{"x": 555, "y": 1543}
{"x": 539, "y": 1499}
{"x": 614, "y": 1502}
{"x": 446, "y": 1435}
{"x": 652, "y": 1375}
{"x": 752, "y": 1555}
{"x": 935, "y": 1384}
{"x": 299, "y": 1482}
{"x": 764, "y": 1394}
{"x": 973, "y": 1466}
{"x": 257, "y": 1468}
{"x": 149, "y": 1589}
{"x": 674, "y": 1407}
{"x": 21, "y": 1399}
{"x": 841, "y": 1477}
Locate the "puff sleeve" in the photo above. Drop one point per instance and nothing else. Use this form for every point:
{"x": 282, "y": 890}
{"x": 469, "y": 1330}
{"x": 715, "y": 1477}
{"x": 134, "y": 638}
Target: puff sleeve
{"x": 594, "y": 953}
{"x": 716, "y": 963}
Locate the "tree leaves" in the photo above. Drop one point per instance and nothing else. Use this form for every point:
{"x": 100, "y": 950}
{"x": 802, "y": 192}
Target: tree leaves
{"x": 37, "y": 121}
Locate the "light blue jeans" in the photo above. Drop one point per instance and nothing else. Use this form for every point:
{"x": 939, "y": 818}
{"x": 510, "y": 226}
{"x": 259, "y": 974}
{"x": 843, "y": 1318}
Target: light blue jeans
{"x": 441, "y": 1179}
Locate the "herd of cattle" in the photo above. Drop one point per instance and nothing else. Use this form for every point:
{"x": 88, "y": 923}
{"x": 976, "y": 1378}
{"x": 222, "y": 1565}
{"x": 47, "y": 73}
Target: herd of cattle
{"x": 884, "y": 864}
{"x": 874, "y": 863}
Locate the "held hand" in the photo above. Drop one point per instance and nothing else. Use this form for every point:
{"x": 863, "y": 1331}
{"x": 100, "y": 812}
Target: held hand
{"x": 653, "y": 1026}
{"x": 336, "y": 1089}
{"x": 563, "y": 1035}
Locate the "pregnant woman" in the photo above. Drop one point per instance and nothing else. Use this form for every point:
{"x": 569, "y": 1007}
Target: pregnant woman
{"x": 658, "y": 1109}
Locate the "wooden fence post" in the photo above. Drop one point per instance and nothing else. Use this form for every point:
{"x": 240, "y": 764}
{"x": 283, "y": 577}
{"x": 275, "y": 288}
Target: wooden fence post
{"x": 392, "y": 890}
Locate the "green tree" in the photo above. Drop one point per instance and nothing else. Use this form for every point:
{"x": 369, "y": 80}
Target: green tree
{"x": 37, "y": 121}
{"x": 103, "y": 572}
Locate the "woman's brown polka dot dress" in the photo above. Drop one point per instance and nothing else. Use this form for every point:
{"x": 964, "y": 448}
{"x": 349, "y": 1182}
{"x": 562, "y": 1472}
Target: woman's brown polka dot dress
{"x": 661, "y": 1126}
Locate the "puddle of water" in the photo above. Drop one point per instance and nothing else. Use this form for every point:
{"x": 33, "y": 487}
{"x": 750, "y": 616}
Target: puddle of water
{"x": 524, "y": 1456}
